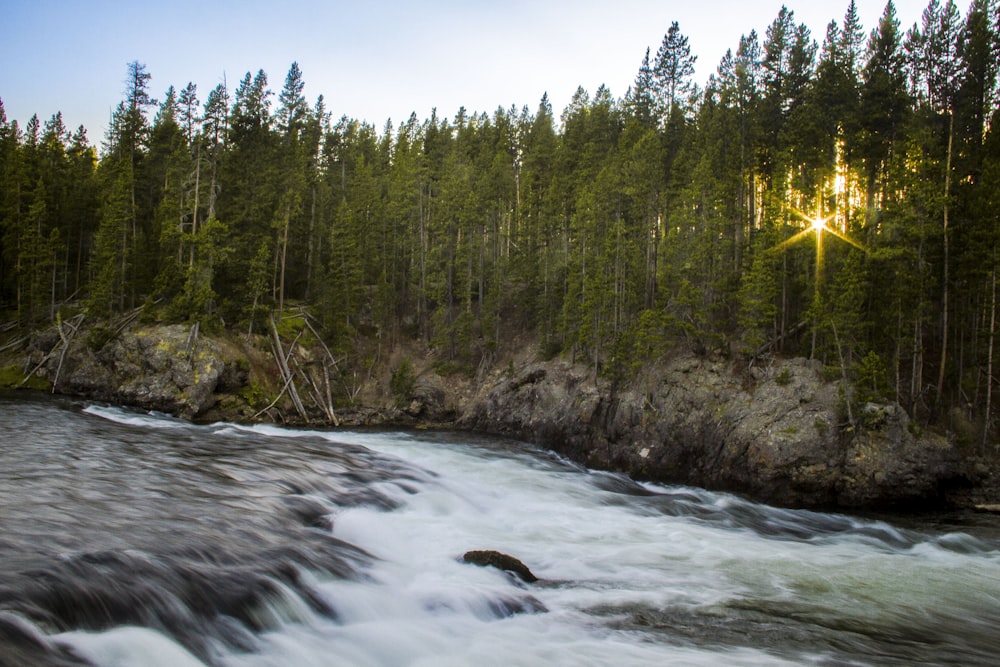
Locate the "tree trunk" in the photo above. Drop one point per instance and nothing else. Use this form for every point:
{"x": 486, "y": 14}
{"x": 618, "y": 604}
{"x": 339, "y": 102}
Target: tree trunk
{"x": 652, "y": 246}
{"x": 311, "y": 246}
{"x": 917, "y": 364}
{"x": 422, "y": 292}
{"x": 194, "y": 214}
{"x": 987, "y": 410}
{"x": 284, "y": 257}
{"x": 945, "y": 260}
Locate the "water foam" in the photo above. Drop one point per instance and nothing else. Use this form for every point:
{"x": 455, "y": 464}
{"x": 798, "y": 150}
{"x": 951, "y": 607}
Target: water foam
{"x": 631, "y": 574}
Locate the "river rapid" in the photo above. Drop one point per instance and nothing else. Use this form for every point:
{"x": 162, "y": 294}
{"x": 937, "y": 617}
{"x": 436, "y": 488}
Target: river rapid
{"x": 137, "y": 539}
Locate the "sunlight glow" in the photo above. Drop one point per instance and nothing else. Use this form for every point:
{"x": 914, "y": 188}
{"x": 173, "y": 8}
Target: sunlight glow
{"x": 819, "y": 224}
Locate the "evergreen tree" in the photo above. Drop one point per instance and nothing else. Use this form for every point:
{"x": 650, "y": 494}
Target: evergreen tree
{"x": 188, "y": 104}
{"x": 9, "y": 206}
{"x": 884, "y": 104}
{"x": 214, "y": 130}
{"x": 81, "y": 213}
{"x": 292, "y": 181}
{"x": 122, "y": 226}
{"x": 673, "y": 70}
{"x": 248, "y": 198}
{"x": 35, "y": 260}
{"x": 113, "y": 252}
{"x": 641, "y": 99}
{"x": 540, "y": 220}
{"x": 940, "y": 53}
{"x": 739, "y": 91}
{"x": 775, "y": 64}
{"x": 674, "y": 216}
{"x": 166, "y": 168}
{"x": 759, "y": 299}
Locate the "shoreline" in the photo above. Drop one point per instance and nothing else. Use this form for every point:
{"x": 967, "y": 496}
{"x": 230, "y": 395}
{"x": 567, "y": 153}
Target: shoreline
{"x": 777, "y": 436}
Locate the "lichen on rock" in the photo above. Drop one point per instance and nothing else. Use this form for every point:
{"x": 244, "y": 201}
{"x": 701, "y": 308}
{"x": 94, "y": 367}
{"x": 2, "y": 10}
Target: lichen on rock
{"x": 693, "y": 420}
{"x": 164, "y": 368}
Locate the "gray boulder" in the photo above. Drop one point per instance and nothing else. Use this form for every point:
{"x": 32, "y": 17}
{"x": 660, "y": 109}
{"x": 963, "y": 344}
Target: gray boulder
{"x": 778, "y": 436}
{"x": 427, "y": 399}
{"x": 162, "y": 368}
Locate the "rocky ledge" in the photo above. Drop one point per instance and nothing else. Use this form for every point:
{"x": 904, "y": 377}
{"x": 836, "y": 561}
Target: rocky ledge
{"x": 170, "y": 369}
{"x": 777, "y": 434}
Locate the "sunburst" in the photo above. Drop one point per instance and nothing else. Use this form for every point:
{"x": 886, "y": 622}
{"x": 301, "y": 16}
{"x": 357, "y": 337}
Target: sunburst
{"x": 818, "y": 225}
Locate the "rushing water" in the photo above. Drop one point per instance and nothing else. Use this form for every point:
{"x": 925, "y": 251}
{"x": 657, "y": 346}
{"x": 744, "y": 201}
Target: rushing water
{"x": 136, "y": 539}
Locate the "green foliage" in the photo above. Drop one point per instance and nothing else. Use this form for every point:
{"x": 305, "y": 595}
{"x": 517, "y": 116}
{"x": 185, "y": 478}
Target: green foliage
{"x": 12, "y": 376}
{"x": 291, "y": 325}
{"x": 255, "y": 395}
{"x": 99, "y": 336}
{"x": 784, "y": 378}
{"x": 871, "y": 380}
{"x": 759, "y": 297}
{"x": 403, "y": 380}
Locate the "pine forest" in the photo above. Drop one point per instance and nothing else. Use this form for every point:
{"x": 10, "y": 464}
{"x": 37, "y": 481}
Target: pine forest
{"x": 830, "y": 196}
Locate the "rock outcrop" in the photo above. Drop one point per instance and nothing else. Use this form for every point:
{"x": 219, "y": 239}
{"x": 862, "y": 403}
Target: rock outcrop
{"x": 779, "y": 434}
{"x": 779, "y": 437}
{"x": 166, "y": 368}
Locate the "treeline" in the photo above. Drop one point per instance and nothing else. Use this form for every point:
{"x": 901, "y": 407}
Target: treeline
{"x": 676, "y": 215}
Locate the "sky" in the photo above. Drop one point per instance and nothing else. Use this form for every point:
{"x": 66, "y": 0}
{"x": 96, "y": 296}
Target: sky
{"x": 371, "y": 60}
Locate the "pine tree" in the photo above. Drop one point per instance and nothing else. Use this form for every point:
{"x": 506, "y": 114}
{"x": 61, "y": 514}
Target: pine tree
{"x": 248, "y": 197}
{"x": 641, "y": 99}
{"x": 122, "y": 223}
{"x": 884, "y": 104}
{"x": 214, "y": 130}
{"x": 55, "y": 175}
{"x": 673, "y": 70}
{"x": 188, "y": 104}
{"x": 34, "y": 260}
{"x": 292, "y": 183}
{"x": 167, "y": 166}
{"x": 940, "y": 53}
{"x": 759, "y": 298}
{"x": 9, "y": 206}
{"x": 112, "y": 256}
{"x": 114, "y": 284}
{"x": 539, "y": 219}
{"x": 82, "y": 205}
{"x": 739, "y": 89}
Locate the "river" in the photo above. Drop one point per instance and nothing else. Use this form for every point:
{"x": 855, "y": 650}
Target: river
{"x": 129, "y": 538}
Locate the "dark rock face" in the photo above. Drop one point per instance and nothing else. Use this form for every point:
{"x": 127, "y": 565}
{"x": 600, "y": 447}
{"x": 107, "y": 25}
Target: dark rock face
{"x": 427, "y": 400}
{"x": 500, "y": 561}
{"x": 779, "y": 438}
{"x": 159, "y": 368}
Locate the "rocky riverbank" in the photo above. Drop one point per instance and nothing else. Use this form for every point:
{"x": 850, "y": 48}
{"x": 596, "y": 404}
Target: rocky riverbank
{"x": 778, "y": 434}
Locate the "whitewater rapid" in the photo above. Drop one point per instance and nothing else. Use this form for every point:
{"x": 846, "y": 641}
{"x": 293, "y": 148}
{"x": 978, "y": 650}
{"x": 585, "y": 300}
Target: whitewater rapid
{"x": 351, "y": 542}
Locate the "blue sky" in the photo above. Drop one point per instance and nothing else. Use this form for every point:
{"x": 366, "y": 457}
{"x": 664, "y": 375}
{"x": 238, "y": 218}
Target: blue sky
{"x": 370, "y": 60}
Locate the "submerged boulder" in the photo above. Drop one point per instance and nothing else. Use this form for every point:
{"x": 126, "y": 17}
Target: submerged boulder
{"x": 500, "y": 561}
